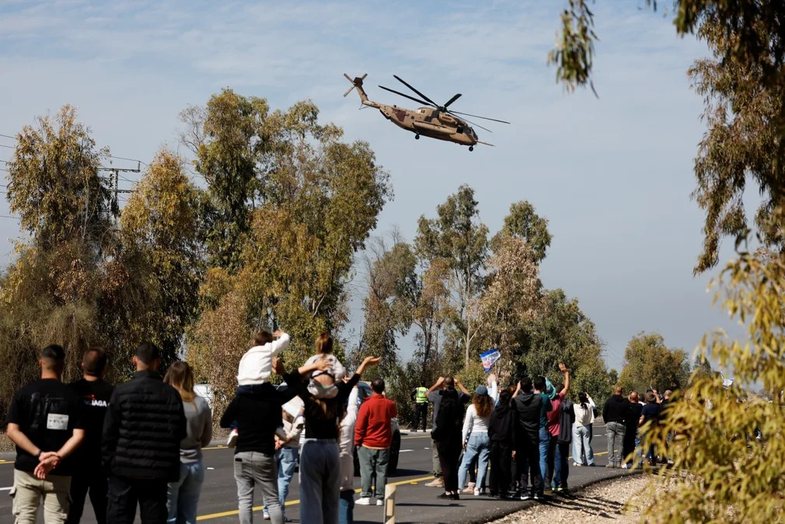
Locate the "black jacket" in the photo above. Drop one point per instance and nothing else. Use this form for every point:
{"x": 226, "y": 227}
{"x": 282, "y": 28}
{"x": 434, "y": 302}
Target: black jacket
{"x": 257, "y": 412}
{"x": 143, "y": 428}
{"x": 528, "y": 412}
{"x": 616, "y": 409}
{"x": 501, "y": 427}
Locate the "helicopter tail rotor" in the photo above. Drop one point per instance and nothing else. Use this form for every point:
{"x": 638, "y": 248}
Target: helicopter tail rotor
{"x": 357, "y": 82}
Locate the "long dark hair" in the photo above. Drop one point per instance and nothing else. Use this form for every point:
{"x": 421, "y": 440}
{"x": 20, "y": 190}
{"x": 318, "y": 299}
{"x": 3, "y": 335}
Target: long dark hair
{"x": 583, "y": 398}
{"x": 483, "y": 404}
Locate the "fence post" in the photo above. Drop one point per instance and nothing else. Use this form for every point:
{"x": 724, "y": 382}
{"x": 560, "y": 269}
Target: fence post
{"x": 389, "y": 504}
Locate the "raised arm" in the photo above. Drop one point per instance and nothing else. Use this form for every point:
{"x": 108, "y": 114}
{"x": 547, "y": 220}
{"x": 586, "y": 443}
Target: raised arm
{"x": 566, "y": 373}
{"x": 367, "y": 362}
{"x": 281, "y": 341}
{"x": 460, "y": 386}
{"x": 436, "y": 385}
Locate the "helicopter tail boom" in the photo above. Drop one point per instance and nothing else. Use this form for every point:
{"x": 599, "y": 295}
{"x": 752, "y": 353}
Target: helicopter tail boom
{"x": 357, "y": 83}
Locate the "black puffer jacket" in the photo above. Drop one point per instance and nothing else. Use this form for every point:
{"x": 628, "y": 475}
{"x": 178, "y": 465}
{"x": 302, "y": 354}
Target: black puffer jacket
{"x": 143, "y": 428}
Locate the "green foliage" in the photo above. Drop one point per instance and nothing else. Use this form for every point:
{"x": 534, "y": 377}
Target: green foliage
{"x": 159, "y": 228}
{"x": 392, "y": 290}
{"x": 649, "y": 363}
{"x": 743, "y": 85}
{"x": 457, "y": 237}
{"x": 309, "y": 203}
{"x": 561, "y": 332}
{"x": 574, "y": 51}
{"x": 731, "y": 476}
{"x": 81, "y": 281}
{"x": 54, "y": 183}
{"x": 512, "y": 295}
{"x": 524, "y": 223}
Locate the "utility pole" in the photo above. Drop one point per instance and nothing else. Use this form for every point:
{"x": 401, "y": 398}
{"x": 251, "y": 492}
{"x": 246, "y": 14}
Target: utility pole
{"x": 115, "y": 180}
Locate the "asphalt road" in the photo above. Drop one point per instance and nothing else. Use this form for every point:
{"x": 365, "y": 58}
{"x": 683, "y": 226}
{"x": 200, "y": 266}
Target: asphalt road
{"x": 415, "y": 503}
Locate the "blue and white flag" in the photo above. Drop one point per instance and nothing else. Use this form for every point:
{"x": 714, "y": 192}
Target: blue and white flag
{"x": 489, "y": 358}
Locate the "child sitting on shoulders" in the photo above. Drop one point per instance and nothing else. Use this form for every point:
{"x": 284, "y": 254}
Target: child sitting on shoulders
{"x": 323, "y": 383}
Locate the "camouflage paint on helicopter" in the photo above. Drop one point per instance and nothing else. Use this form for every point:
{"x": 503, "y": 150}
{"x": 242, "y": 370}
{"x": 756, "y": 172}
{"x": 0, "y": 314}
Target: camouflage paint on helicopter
{"x": 432, "y": 120}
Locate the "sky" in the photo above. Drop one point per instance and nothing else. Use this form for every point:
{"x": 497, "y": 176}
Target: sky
{"x": 612, "y": 174}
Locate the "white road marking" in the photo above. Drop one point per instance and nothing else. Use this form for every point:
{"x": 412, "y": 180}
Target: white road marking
{"x": 405, "y": 450}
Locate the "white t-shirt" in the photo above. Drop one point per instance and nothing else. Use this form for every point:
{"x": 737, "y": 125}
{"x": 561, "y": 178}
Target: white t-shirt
{"x": 256, "y": 365}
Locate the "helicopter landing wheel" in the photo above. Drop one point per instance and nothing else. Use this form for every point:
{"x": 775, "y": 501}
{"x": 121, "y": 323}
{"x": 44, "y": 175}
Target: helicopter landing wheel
{"x": 416, "y": 137}
{"x": 471, "y": 148}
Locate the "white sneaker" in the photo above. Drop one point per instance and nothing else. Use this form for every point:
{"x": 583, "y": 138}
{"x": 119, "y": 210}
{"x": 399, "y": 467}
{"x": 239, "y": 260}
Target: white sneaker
{"x": 265, "y": 514}
{"x": 365, "y": 501}
{"x": 624, "y": 466}
{"x": 379, "y": 502}
{"x": 232, "y": 440}
{"x": 476, "y": 492}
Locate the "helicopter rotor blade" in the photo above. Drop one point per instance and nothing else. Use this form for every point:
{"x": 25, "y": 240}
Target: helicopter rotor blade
{"x": 478, "y": 116}
{"x": 450, "y": 101}
{"x": 409, "y": 97}
{"x": 401, "y": 80}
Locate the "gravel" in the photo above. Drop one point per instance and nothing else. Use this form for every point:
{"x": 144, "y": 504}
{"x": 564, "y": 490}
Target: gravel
{"x": 600, "y": 503}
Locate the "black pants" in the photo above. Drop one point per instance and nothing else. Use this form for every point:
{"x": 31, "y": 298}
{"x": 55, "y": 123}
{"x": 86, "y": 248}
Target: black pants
{"x": 422, "y": 414}
{"x": 628, "y": 444}
{"x": 528, "y": 457}
{"x": 90, "y": 478}
{"x": 125, "y": 493}
{"x": 449, "y": 454}
{"x": 501, "y": 468}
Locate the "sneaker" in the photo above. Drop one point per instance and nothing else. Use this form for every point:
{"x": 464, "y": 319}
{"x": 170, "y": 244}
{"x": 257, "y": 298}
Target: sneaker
{"x": 538, "y": 496}
{"x": 232, "y": 440}
{"x": 436, "y": 483}
{"x": 526, "y": 496}
{"x": 556, "y": 489}
{"x": 365, "y": 501}
{"x": 609, "y": 465}
{"x": 576, "y": 465}
{"x": 476, "y": 492}
{"x": 468, "y": 490}
{"x": 265, "y": 514}
{"x": 624, "y": 466}
{"x": 379, "y": 502}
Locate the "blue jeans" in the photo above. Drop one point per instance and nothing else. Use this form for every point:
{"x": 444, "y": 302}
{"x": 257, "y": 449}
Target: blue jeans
{"x": 346, "y": 515}
{"x": 252, "y": 468}
{"x": 320, "y": 479}
{"x": 545, "y": 438}
{"x": 479, "y": 444}
{"x": 183, "y": 496}
{"x": 287, "y": 462}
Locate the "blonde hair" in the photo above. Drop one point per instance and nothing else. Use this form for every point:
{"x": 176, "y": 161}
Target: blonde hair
{"x": 324, "y": 343}
{"x": 181, "y": 377}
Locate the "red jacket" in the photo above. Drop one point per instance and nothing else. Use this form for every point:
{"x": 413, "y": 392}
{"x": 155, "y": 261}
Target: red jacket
{"x": 372, "y": 428}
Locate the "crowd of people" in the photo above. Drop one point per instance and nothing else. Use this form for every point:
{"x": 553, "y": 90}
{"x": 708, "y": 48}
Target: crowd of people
{"x": 139, "y": 444}
{"x": 526, "y": 432}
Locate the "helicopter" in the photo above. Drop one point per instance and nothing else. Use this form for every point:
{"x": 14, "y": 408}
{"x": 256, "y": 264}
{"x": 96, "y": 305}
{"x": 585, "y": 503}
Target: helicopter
{"x": 432, "y": 120}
